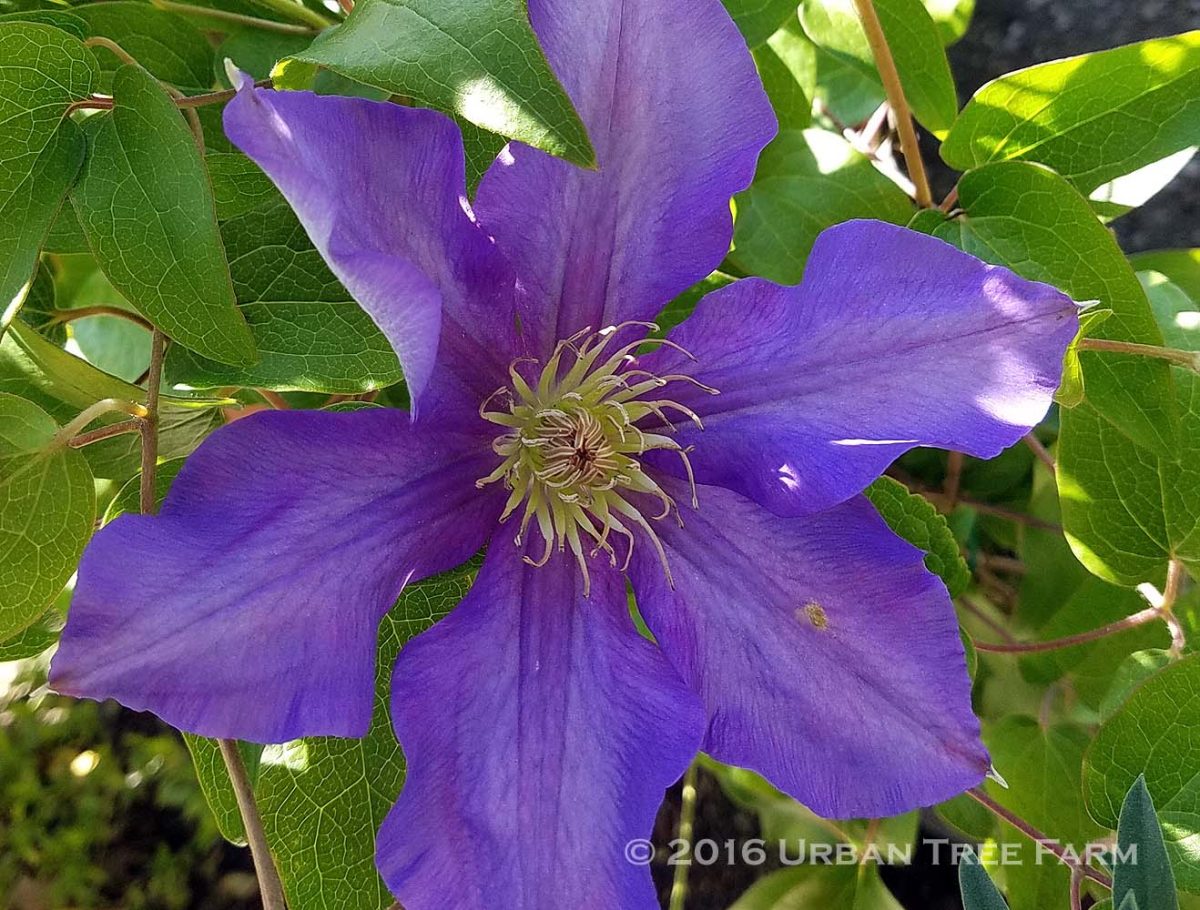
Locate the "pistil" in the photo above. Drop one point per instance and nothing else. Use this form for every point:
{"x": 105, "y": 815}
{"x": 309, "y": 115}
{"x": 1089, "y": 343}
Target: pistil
{"x": 573, "y": 442}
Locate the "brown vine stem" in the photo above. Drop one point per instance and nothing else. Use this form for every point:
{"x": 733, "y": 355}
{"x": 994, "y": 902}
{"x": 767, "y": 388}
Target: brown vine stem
{"x": 63, "y": 316}
{"x": 1189, "y": 359}
{"x": 269, "y": 885}
{"x": 1039, "y": 450}
{"x": 158, "y": 344}
{"x": 90, "y": 413}
{"x": 1076, "y": 889}
{"x": 1167, "y": 607}
{"x": 274, "y": 399}
{"x": 1069, "y": 641}
{"x": 953, "y": 484}
{"x": 115, "y": 429}
{"x": 982, "y": 615}
{"x": 113, "y": 48}
{"x": 1038, "y": 837}
{"x": 687, "y": 822}
{"x": 886, "y": 65}
{"x": 104, "y": 103}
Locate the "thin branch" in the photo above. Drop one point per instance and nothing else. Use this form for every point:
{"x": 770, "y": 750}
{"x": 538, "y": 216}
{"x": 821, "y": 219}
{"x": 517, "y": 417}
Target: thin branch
{"x": 1040, "y": 451}
{"x": 886, "y": 65}
{"x": 270, "y": 887}
{"x": 1167, "y": 607}
{"x": 953, "y": 483}
{"x": 113, "y": 48}
{"x": 94, "y": 103}
{"x": 298, "y": 12}
{"x": 1141, "y": 618}
{"x": 133, "y": 425}
{"x": 1001, "y": 563}
{"x": 687, "y": 822}
{"x": 1189, "y": 359}
{"x": 65, "y": 316}
{"x": 979, "y": 613}
{"x": 158, "y": 344}
{"x": 1076, "y": 889}
{"x": 1038, "y": 837}
{"x": 950, "y": 201}
{"x": 91, "y": 412}
{"x": 274, "y": 399}
{"x": 220, "y": 15}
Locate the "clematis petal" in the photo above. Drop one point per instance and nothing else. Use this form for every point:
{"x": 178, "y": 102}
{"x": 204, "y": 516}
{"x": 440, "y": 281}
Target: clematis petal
{"x": 827, "y": 656}
{"x": 677, "y": 115}
{"x": 540, "y": 731}
{"x": 249, "y": 606}
{"x": 381, "y": 190}
{"x": 893, "y": 340}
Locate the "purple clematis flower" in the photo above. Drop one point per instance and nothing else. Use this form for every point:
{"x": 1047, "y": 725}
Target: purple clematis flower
{"x": 795, "y": 634}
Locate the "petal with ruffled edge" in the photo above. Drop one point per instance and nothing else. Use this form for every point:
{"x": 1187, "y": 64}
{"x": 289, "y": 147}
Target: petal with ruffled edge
{"x": 381, "y": 190}
{"x": 249, "y": 606}
{"x": 677, "y": 115}
{"x": 893, "y": 340}
{"x": 540, "y": 731}
{"x": 827, "y": 655}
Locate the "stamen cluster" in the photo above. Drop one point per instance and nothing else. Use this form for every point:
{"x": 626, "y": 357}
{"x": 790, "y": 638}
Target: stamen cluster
{"x": 572, "y": 446}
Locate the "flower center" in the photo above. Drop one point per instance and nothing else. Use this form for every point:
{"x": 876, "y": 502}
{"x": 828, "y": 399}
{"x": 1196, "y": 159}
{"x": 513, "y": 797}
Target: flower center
{"x": 572, "y": 443}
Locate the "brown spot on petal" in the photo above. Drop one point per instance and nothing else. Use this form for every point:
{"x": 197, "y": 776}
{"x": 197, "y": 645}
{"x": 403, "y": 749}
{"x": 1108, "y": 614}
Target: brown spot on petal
{"x": 815, "y": 614}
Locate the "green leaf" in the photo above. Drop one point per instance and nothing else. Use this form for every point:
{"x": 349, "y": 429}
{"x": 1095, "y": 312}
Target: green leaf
{"x": 1070, "y": 391}
{"x": 239, "y": 185}
{"x": 1133, "y": 671}
{"x": 33, "y": 639}
{"x": 256, "y": 52}
{"x": 1042, "y": 767}
{"x": 952, "y": 17}
{"x": 1029, "y": 219}
{"x": 115, "y": 345}
{"x": 1145, "y": 874}
{"x": 1091, "y": 666}
{"x": 215, "y": 785}
{"x": 165, "y": 44}
{"x": 846, "y": 887}
{"x": 807, "y": 180}
{"x": 784, "y": 65}
{"x": 1052, "y": 573}
{"x": 914, "y": 518}
{"x": 42, "y": 70}
{"x": 60, "y": 19}
{"x": 915, "y": 44}
{"x": 66, "y": 234}
{"x": 1156, "y": 734}
{"x": 1092, "y": 118}
{"x": 310, "y": 333}
{"x": 979, "y": 892}
{"x": 47, "y": 509}
{"x": 477, "y": 59}
{"x": 1181, "y": 268}
{"x": 63, "y": 385}
{"x": 323, "y": 799}
{"x": 759, "y": 19}
{"x": 146, "y": 206}
{"x": 1126, "y": 510}
{"x": 39, "y": 306}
